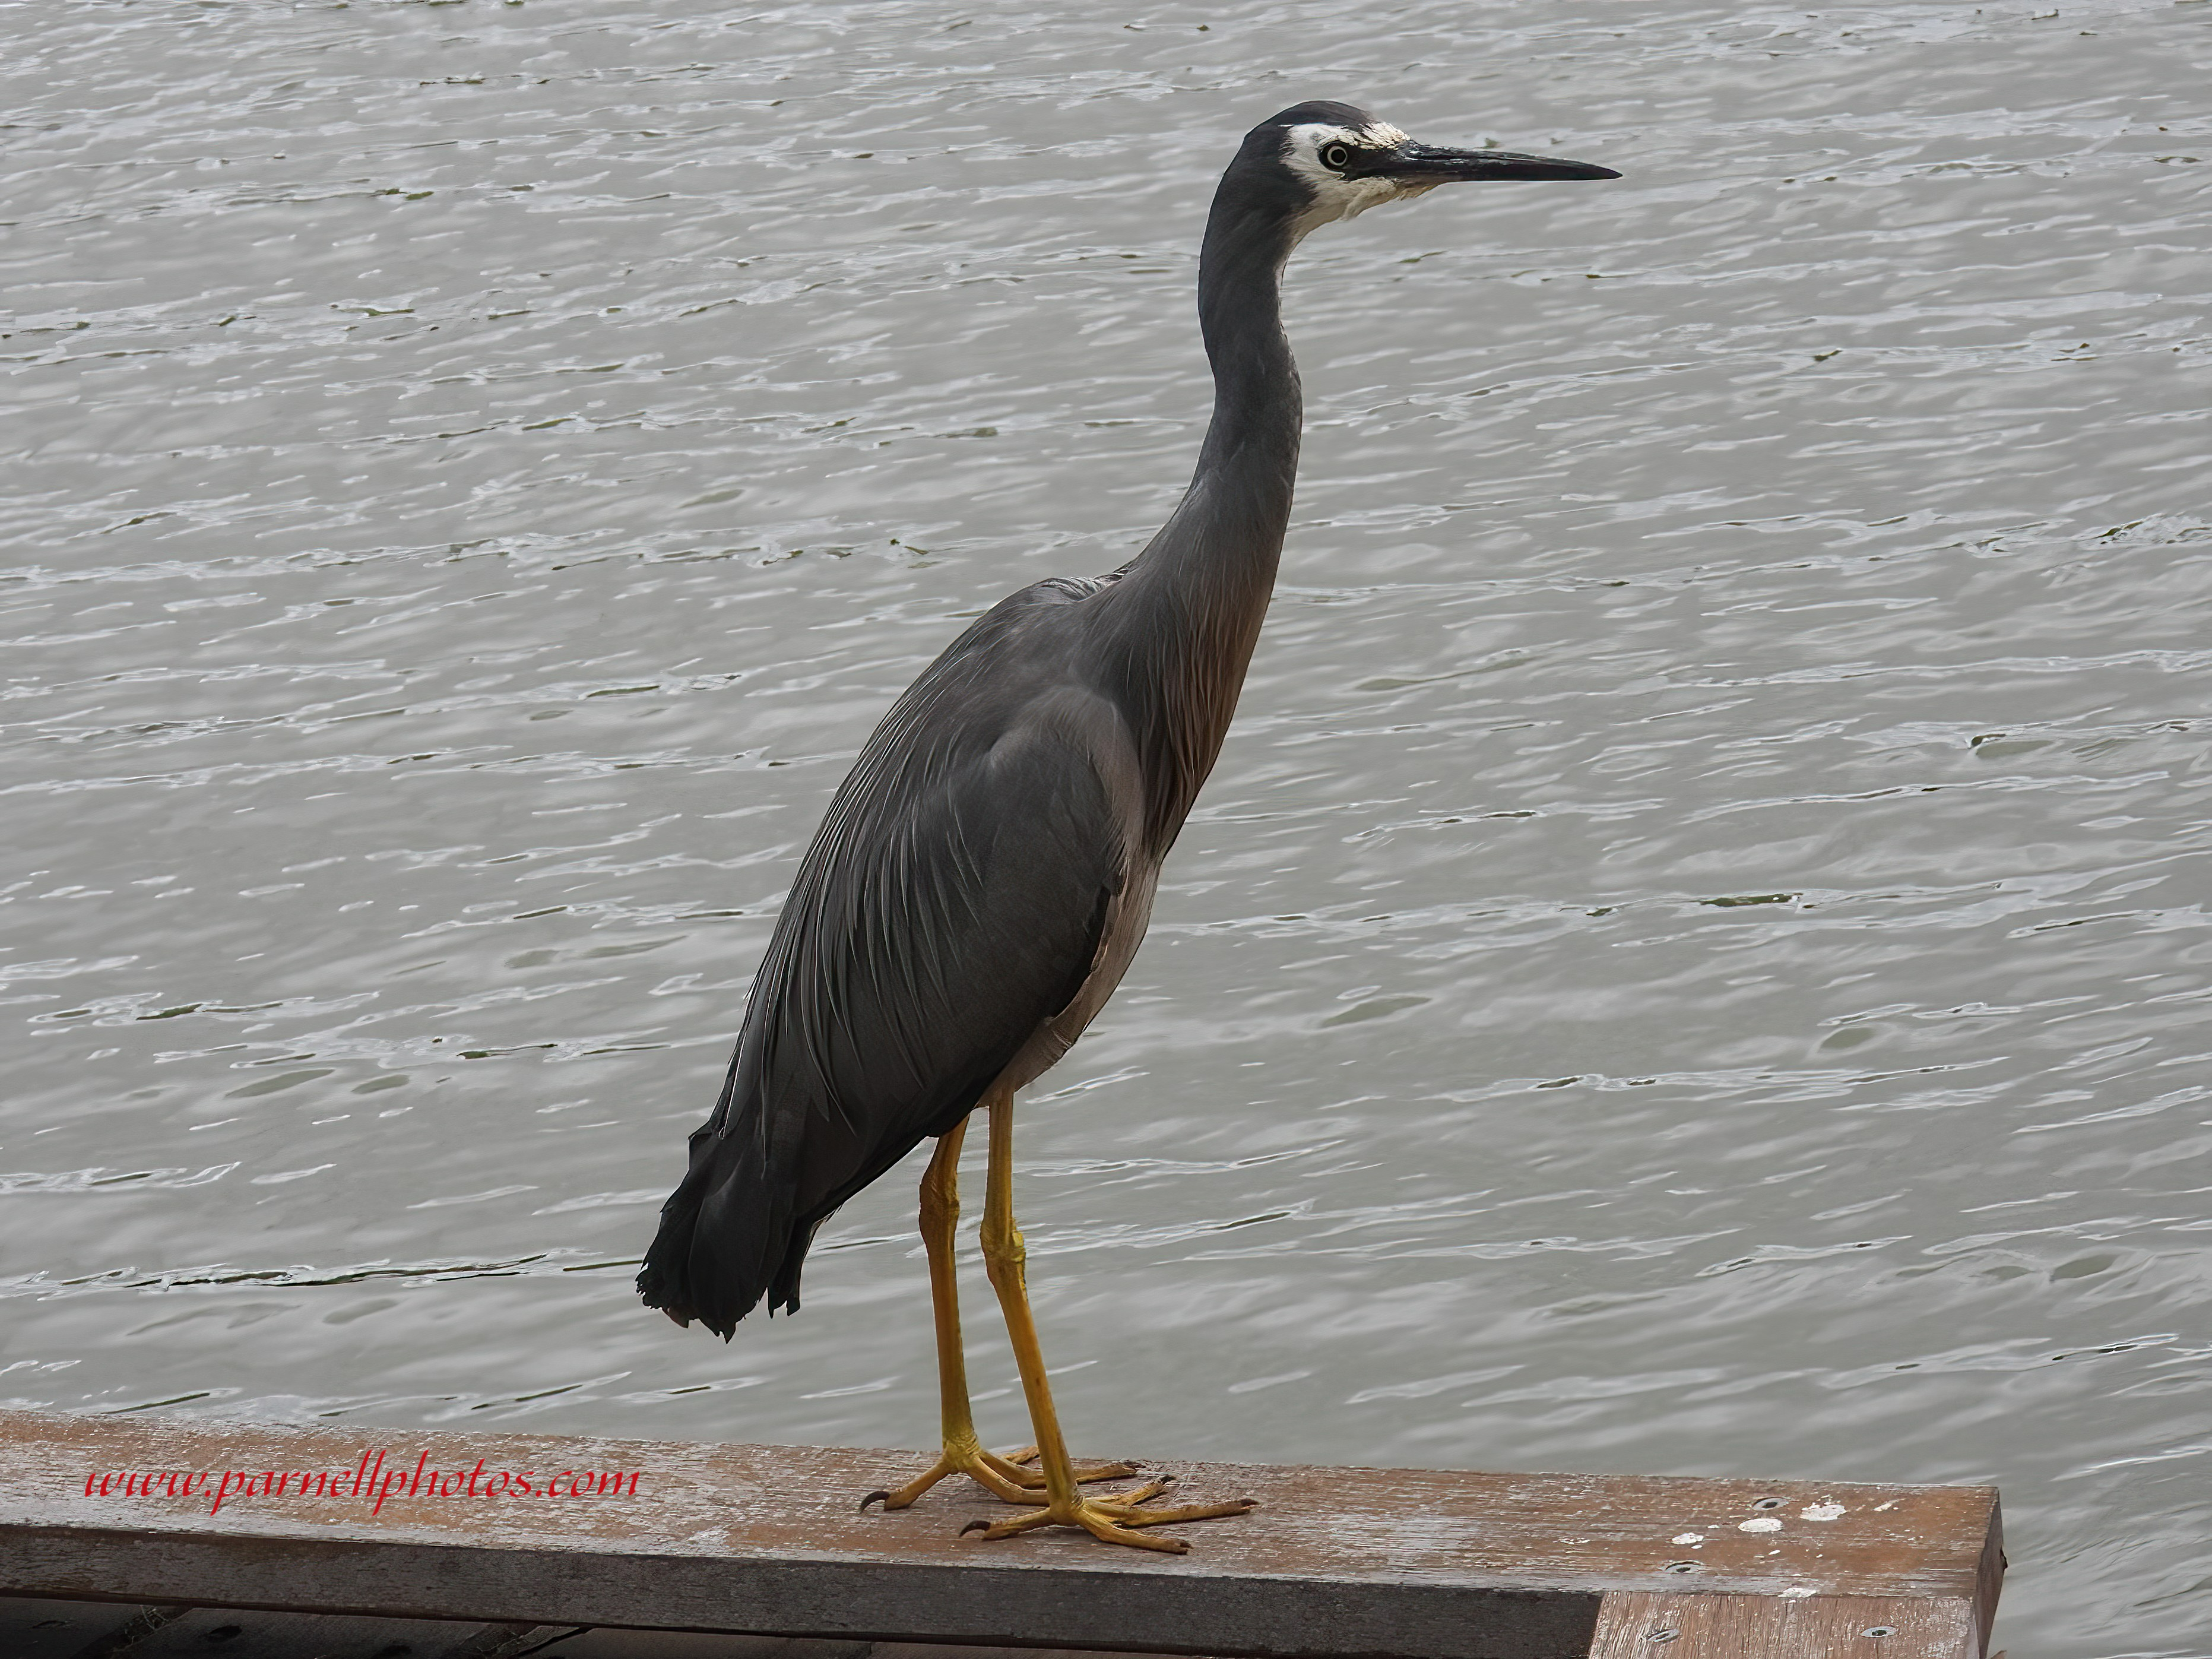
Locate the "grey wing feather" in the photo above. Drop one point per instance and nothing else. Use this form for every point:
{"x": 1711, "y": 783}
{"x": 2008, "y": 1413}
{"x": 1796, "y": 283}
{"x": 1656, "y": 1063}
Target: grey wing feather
{"x": 952, "y": 902}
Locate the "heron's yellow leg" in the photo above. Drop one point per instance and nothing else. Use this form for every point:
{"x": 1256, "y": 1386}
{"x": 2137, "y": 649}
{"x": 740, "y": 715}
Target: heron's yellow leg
{"x": 1113, "y": 1516}
{"x": 964, "y": 1453}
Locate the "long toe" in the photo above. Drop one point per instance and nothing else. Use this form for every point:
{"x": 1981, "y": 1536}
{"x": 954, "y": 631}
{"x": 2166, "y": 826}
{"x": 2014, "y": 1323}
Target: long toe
{"x": 1114, "y": 1517}
{"x": 1133, "y": 1517}
{"x": 978, "y": 1467}
{"x": 1135, "y": 1495}
{"x": 1007, "y": 1528}
{"x": 1019, "y": 1468}
{"x": 1107, "y": 1531}
{"x": 1085, "y": 1473}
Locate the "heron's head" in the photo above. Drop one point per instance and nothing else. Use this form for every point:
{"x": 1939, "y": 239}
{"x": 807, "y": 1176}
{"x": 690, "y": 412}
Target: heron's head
{"x": 1339, "y": 161}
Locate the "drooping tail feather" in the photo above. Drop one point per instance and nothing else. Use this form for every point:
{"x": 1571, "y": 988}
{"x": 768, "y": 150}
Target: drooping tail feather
{"x": 764, "y": 1176}
{"x": 725, "y": 1231}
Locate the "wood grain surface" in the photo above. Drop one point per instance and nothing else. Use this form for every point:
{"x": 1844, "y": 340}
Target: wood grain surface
{"x": 1648, "y": 1625}
{"x": 1421, "y": 1564}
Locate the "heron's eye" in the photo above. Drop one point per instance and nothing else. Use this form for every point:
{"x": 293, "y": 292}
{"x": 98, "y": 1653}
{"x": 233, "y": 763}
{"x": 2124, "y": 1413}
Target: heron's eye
{"x": 1337, "y": 158}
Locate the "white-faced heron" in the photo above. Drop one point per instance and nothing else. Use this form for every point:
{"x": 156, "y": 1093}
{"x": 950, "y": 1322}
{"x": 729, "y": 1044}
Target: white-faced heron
{"x": 986, "y": 872}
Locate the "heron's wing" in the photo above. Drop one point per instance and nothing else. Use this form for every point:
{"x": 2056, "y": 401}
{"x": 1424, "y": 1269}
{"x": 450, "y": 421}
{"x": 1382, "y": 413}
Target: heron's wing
{"x": 953, "y": 901}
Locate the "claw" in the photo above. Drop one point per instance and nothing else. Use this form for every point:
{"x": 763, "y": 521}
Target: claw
{"x": 873, "y": 1498}
{"x": 974, "y": 1525}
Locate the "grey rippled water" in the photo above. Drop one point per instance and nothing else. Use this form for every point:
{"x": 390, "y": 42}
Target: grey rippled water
{"x": 1695, "y": 957}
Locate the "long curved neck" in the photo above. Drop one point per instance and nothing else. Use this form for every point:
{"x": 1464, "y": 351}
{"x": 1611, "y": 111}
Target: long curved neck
{"x": 1192, "y": 601}
{"x": 1252, "y": 443}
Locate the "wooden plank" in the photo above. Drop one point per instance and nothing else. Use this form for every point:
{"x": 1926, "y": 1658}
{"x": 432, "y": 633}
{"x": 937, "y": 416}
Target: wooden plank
{"x": 692, "y": 1644}
{"x": 1648, "y": 1625}
{"x": 70, "y": 1630}
{"x": 37, "y": 1629}
{"x": 32, "y": 1629}
{"x": 237, "y": 1633}
{"x": 1421, "y": 1564}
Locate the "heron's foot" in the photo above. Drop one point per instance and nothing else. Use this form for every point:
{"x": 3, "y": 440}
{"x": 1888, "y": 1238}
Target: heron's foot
{"x": 1115, "y": 1517}
{"x": 1007, "y": 1478}
{"x": 1017, "y": 1467}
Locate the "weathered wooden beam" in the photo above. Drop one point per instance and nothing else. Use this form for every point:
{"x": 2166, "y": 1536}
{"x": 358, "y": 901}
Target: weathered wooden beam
{"x": 1417, "y": 1564}
{"x": 78, "y": 1629}
{"x": 33, "y": 1629}
{"x": 1659, "y": 1625}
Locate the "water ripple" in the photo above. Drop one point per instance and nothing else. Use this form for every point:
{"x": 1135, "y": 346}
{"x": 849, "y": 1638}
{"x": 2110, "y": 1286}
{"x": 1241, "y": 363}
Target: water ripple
{"x": 1692, "y": 958}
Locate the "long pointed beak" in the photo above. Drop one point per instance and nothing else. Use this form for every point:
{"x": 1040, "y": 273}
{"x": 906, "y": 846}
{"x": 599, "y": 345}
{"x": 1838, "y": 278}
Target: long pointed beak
{"x": 1420, "y": 163}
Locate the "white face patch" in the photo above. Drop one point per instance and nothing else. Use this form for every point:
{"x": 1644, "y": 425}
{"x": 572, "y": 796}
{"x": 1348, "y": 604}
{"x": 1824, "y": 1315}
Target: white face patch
{"x": 1334, "y": 196}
